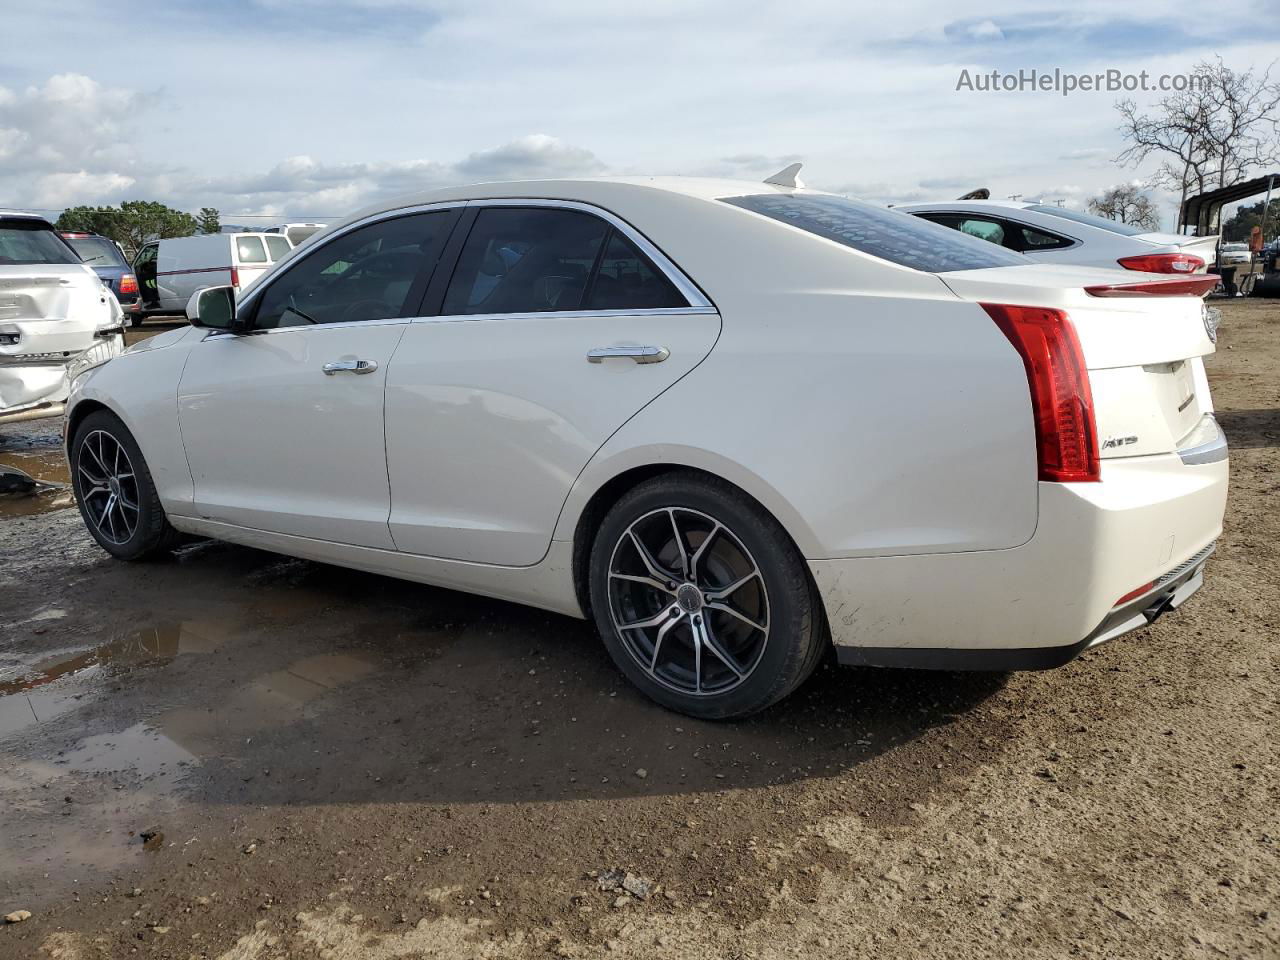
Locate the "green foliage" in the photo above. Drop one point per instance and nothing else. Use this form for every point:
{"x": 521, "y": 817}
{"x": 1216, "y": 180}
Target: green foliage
{"x": 131, "y": 224}
{"x": 209, "y": 220}
{"x": 1238, "y": 226}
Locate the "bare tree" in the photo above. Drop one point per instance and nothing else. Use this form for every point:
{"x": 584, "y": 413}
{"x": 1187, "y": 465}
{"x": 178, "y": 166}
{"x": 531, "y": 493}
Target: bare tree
{"x": 1210, "y": 135}
{"x": 1127, "y": 204}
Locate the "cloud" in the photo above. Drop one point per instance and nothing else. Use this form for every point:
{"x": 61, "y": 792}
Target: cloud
{"x": 983, "y": 30}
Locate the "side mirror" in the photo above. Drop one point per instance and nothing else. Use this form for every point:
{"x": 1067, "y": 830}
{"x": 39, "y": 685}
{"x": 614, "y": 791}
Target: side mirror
{"x": 213, "y": 307}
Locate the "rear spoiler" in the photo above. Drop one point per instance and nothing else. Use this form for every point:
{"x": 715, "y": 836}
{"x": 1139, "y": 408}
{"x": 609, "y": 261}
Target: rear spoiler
{"x": 1196, "y": 286}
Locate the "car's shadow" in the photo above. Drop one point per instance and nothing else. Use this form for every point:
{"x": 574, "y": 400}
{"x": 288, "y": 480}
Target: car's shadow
{"x": 265, "y": 680}
{"x": 1251, "y": 429}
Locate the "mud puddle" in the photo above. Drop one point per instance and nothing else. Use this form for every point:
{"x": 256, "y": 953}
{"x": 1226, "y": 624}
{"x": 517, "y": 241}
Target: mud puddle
{"x": 46, "y": 464}
{"x": 56, "y": 684}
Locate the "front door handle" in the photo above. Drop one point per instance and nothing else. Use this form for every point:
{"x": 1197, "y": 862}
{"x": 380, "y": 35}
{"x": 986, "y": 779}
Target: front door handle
{"x": 349, "y": 366}
{"x": 638, "y": 354}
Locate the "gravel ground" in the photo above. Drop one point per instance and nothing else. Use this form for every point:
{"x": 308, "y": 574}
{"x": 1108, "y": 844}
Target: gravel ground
{"x": 239, "y": 756}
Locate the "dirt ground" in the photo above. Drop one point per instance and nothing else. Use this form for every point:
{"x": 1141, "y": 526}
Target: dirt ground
{"x": 239, "y": 756}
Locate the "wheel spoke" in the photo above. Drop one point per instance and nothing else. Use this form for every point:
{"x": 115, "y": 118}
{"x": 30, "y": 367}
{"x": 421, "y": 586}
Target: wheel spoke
{"x": 702, "y": 548}
{"x": 646, "y": 558}
{"x": 725, "y": 608}
{"x": 684, "y": 554}
{"x": 657, "y": 643}
{"x": 88, "y": 448}
{"x": 647, "y": 581}
{"x": 711, "y": 643}
{"x": 653, "y": 621}
{"x": 697, "y": 655}
{"x": 723, "y": 592}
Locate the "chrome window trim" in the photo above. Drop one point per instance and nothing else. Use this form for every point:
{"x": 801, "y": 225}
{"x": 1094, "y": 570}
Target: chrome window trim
{"x": 1052, "y": 231}
{"x": 569, "y": 314}
{"x": 312, "y": 248}
{"x": 688, "y": 289}
{"x": 381, "y": 322}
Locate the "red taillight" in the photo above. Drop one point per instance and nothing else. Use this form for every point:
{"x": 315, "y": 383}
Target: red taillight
{"x": 1196, "y": 286}
{"x": 1163, "y": 263}
{"x": 128, "y": 283}
{"x": 1061, "y": 401}
{"x": 1135, "y": 593}
{"x": 235, "y": 277}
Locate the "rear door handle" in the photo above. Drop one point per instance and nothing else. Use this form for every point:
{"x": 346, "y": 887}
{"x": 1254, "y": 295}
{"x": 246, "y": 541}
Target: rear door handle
{"x": 349, "y": 366}
{"x": 638, "y": 354}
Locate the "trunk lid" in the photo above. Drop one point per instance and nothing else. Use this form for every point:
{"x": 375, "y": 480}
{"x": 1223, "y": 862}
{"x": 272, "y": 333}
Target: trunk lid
{"x": 1206, "y": 248}
{"x": 1143, "y": 353}
{"x": 49, "y": 311}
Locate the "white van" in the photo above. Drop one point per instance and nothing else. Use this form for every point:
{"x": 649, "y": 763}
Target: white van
{"x": 169, "y": 271}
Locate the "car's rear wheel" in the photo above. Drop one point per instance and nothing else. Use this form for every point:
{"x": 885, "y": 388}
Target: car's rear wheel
{"x": 114, "y": 490}
{"x": 702, "y": 599}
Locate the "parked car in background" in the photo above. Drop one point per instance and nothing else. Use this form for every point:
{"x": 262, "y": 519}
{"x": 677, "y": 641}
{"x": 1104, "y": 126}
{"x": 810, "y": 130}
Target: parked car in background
{"x": 108, "y": 262}
{"x": 1052, "y": 234}
{"x": 731, "y": 422}
{"x": 1234, "y": 254}
{"x": 296, "y": 232}
{"x": 56, "y": 318}
{"x": 170, "y": 270}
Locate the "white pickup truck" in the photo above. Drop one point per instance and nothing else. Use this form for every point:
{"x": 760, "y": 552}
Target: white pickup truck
{"x": 56, "y": 318}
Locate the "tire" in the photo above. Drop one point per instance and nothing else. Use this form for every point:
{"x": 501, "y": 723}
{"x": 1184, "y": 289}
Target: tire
{"x": 135, "y": 320}
{"x": 752, "y": 654}
{"x": 114, "y": 490}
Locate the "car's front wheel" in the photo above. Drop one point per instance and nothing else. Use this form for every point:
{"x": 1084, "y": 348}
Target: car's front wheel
{"x": 114, "y": 490}
{"x": 702, "y": 599}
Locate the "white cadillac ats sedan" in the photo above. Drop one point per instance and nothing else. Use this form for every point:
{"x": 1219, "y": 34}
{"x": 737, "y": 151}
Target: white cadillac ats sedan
{"x": 734, "y": 423}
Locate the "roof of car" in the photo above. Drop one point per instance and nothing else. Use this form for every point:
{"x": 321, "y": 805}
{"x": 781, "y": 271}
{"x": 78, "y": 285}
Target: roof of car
{"x": 23, "y": 214}
{"x": 967, "y": 204}
{"x": 594, "y": 188}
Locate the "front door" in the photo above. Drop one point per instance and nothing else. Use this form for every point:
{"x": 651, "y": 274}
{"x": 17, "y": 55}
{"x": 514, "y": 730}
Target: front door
{"x": 554, "y": 328}
{"x": 283, "y": 424}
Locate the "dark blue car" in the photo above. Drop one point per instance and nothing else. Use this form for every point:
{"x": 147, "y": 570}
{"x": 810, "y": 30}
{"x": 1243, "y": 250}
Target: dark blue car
{"x": 112, "y": 268}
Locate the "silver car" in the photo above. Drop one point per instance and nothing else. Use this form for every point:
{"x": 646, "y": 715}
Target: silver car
{"x": 1052, "y": 234}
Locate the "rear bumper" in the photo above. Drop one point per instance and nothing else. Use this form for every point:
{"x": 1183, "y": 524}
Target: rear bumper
{"x": 1038, "y": 605}
{"x": 1174, "y": 590}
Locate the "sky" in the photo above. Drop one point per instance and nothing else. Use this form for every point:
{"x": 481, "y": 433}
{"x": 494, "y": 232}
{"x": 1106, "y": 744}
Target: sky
{"x": 274, "y": 110}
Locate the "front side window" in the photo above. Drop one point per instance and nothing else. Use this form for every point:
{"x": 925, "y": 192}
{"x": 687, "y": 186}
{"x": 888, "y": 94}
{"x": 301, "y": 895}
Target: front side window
{"x": 277, "y": 246}
{"x": 250, "y": 250}
{"x": 365, "y": 274}
{"x": 31, "y": 241}
{"x": 890, "y": 235}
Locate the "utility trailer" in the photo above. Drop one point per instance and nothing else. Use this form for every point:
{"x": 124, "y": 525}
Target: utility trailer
{"x": 1202, "y": 215}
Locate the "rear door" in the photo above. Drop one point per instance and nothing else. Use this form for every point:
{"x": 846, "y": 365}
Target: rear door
{"x": 556, "y": 324}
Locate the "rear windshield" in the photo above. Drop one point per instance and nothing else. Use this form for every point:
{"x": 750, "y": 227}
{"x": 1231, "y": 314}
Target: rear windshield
{"x": 1089, "y": 220}
{"x": 277, "y": 246}
{"x": 30, "y": 241}
{"x": 97, "y": 251}
{"x": 888, "y": 234}
{"x": 297, "y": 234}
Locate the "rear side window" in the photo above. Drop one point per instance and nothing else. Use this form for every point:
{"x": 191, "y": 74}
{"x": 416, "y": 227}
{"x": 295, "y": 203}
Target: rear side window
{"x": 1013, "y": 236}
{"x": 627, "y": 280}
{"x": 887, "y": 234}
{"x": 250, "y": 250}
{"x": 525, "y": 260}
{"x": 297, "y": 234}
{"x": 540, "y": 260}
{"x": 277, "y": 246}
{"x": 1089, "y": 220}
{"x": 32, "y": 241}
